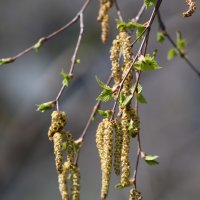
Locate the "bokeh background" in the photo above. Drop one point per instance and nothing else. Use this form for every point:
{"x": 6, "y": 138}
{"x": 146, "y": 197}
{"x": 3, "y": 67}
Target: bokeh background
{"x": 170, "y": 125}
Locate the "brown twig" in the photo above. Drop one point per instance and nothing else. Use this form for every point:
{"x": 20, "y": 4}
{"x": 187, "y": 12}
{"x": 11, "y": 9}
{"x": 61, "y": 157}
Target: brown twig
{"x": 43, "y": 40}
{"x": 118, "y": 10}
{"x": 182, "y": 55}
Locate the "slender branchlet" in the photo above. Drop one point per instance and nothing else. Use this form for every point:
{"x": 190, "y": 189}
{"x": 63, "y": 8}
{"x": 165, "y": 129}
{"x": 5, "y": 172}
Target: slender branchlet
{"x": 118, "y": 147}
{"x": 192, "y": 7}
{"x": 104, "y": 141}
{"x": 58, "y": 121}
{"x": 57, "y": 140}
{"x": 62, "y": 181}
{"x": 103, "y": 17}
{"x": 135, "y": 195}
{"x": 75, "y": 178}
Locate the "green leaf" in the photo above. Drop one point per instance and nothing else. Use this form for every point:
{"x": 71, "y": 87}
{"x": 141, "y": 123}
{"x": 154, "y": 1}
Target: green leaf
{"x": 151, "y": 159}
{"x": 160, "y": 37}
{"x": 124, "y": 100}
{"x": 129, "y": 26}
{"x": 181, "y": 43}
{"x": 78, "y": 61}
{"x": 106, "y": 95}
{"x": 76, "y": 147}
{"x": 64, "y": 146}
{"x": 37, "y": 46}
{"x": 141, "y": 99}
{"x": 106, "y": 113}
{"x": 46, "y": 106}
{"x": 146, "y": 63}
{"x": 149, "y": 3}
{"x": 66, "y": 78}
{"x": 171, "y": 54}
{"x": 4, "y": 61}
{"x": 119, "y": 186}
{"x": 139, "y": 31}
{"x": 102, "y": 85}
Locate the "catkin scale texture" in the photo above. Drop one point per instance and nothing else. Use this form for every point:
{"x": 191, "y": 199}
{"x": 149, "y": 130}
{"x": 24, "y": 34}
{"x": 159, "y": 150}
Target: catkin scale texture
{"x": 104, "y": 141}
{"x": 135, "y": 195}
{"x": 58, "y": 121}
{"x": 125, "y": 162}
{"x": 191, "y": 9}
{"x": 57, "y": 140}
{"x": 75, "y": 178}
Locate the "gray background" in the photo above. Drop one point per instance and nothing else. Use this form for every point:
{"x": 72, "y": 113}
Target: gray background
{"x": 170, "y": 120}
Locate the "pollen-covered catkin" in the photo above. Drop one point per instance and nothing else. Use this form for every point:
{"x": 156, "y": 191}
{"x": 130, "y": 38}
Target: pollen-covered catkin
{"x": 103, "y": 17}
{"x": 191, "y": 9}
{"x": 75, "y": 177}
{"x": 136, "y": 123}
{"x": 126, "y": 50}
{"x": 125, "y": 162}
{"x": 57, "y": 140}
{"x": 104, "y": 141}
{"x": 118, "y": 147}
{"x": 135, "y": 195}
{"x": 114, "y": 57}
{"x": 107, "y": 157}
{"x": 63, "y": 182}
{"x": 68, "y": 138}
{"x": 58, "y": 121}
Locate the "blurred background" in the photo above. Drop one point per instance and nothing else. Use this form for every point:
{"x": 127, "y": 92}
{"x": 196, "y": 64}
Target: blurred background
{"x": 170, "y": 125}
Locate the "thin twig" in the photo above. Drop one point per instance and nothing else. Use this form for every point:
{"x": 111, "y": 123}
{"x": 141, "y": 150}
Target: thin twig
{"x": 142, "y": 9}
{"x": 182, "y": 55}
{"x": 43, "y": 40}
{"x": 94, "y": 110}
{"x": 118, "y": 10}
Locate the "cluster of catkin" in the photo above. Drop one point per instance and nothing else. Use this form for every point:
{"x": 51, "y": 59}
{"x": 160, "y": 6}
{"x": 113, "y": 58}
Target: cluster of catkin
{"x": 103, "y": 17}
{"x": 191, "y": 8}
{"x": 59, "y": 137}
{"x": 113, "y": 136}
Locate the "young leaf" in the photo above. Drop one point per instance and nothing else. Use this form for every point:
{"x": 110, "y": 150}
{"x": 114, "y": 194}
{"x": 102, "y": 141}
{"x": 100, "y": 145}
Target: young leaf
{"x": 181, "y": 43}
{"x": 106, "y": 113}
{"x": 171, "y": 54}
{"x": 102, "y": 85}
{"x": 106, "y": 95}
{"x": 151, "y": 159}
{"x": 160, "y": 37}
{"x": 66, "y": 78}
{"x": 146, "y": 63}
{"x": 37, "y": 46}
{"x": 78, "y": 61}
{"x": 141, "y": 98}
{"x": 139, "y": 31}
{"x": 4, "y": 61}
{"x": 149, "y": 3}
{"x": 46, "y": 106}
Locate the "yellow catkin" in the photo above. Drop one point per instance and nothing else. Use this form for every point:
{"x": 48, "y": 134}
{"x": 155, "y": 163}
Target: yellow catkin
{"x": 191, "y": 9}
{"x": 125, "y": 162}
{"x": 58, "y": 121}
{"x": 135, "y": 195}
{"x": 68, "y": 138}
{"x": 126, "y": 50}
{"x": 118, "y": 147}
{"x": 57, "y": 140}
{"x": 136, "y": 123}
{"x": 114, "y": 57}
{"x": 103, "y": 17}
{"x": 75, "y": 177}
{"x": 62, "y": 181}
{"x": 104, "y": 141}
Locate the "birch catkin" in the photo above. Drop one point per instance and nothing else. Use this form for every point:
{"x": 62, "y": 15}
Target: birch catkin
{"x": 191, "y": 9}
{"x": 135, "y": 195}
{"x": 75, "y": 178}
{"x": 104, "y": 141}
